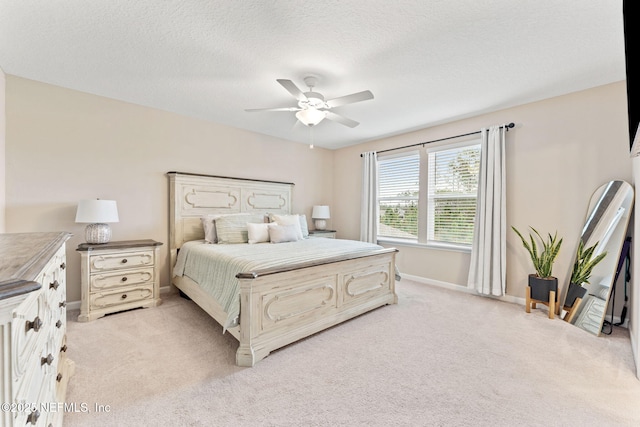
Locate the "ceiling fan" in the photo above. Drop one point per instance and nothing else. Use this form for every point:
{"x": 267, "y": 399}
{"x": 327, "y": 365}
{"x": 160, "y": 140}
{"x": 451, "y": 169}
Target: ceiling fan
{"x": 313, "y": 108}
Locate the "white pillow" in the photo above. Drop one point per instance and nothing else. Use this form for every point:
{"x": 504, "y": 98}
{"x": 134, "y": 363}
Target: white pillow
{"x": 258, "y": 232}
{"x": 284, "y": 233}
{"x": 289, "y": 220}
{"x": 209, "y": 227}
{"x": 304, "y": 226}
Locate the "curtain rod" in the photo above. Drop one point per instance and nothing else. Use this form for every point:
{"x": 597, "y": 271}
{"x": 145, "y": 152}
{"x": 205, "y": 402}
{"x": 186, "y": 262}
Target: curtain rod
{"x": 509, "y": 126}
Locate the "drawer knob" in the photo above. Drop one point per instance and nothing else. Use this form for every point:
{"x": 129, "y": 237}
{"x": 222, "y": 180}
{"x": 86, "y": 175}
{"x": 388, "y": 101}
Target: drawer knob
{"x": 63, "y": 265}
{"x": 33, "y": 417}
{"x": 58, "y": 324}
{"x": 36, "y": 324}
{"x": 124, "y": 296}
{"x": 59, "y": 377}
{"x": 124, "y": 279}
{"x": 63, "y": 304}
{"x": 54, "y": 285}
{"x": 47, "y": 360}
{"x": 63, "y": 348}
{"x": 124, "y": 260}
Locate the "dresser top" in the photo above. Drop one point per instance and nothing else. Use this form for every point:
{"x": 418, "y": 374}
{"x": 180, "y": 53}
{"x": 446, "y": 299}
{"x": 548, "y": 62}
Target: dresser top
{"x": 23, "y": 256}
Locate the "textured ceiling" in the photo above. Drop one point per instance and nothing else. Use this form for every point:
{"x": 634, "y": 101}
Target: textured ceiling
{"x": 426, "y": 62}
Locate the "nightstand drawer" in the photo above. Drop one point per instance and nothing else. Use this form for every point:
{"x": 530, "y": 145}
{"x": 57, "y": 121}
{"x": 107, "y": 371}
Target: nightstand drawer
{"x": 106, "y": 281}
{"x": 121, "y": 261}
{"x": 104, "y": 299}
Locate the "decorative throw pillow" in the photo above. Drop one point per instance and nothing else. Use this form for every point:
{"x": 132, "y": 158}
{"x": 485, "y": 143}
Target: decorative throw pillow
{"x": 233, "y": 228}
{"x": 289, "y": 220}
{"x": 284, "y": 233}
{"x": 258, "y": 232}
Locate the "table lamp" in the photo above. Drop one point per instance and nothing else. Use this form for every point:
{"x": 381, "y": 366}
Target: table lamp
{"x": 97, "y": 213}
{"x": 320, "y": 214}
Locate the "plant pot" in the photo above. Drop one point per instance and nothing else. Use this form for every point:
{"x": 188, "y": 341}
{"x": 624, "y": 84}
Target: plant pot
{"x": 542, "y": 286}
{"x": 575, "y": 291}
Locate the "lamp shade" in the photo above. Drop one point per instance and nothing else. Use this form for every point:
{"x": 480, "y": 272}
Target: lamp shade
{"x": 97, "y": 211}
{"x": 311, "y": 116}
{"x": 320, "y": 212}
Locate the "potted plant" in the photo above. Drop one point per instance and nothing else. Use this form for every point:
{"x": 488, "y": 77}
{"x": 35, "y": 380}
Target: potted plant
{"x": 582, "y": 268}
{"x": 542, "y": 282}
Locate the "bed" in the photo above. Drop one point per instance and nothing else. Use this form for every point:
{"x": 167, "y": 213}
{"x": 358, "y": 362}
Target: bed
{"x": 268, "y": 295}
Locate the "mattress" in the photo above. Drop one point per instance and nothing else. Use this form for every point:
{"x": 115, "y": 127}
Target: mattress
{"x": 214, "y": 266}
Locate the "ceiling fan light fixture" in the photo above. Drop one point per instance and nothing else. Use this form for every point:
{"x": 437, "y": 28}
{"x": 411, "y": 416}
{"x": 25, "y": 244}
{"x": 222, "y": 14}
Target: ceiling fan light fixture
{"x": 310, "y": 116}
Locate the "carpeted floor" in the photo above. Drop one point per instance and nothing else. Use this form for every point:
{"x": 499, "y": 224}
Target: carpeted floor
{"x": 437, "y": 358}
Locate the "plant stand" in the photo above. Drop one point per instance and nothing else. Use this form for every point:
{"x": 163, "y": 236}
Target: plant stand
{"x": 538, "y": 289}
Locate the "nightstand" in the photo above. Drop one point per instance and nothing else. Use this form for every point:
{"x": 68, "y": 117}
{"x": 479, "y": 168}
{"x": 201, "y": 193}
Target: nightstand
{"x": 327, "y": 234}
{"x": 118, "y": 276}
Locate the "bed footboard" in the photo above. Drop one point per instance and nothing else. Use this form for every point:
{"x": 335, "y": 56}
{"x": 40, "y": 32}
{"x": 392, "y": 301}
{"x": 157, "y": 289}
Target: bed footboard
{"x": 279, "y": 307}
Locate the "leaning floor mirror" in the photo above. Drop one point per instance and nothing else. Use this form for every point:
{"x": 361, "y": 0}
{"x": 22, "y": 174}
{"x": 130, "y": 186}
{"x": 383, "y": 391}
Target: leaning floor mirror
{"x": 605, "y": 229}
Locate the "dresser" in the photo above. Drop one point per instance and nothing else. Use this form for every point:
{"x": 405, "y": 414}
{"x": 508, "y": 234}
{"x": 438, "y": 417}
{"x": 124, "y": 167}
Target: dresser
{"x": 118, "y": 276}
{"x": 35, "y": 369}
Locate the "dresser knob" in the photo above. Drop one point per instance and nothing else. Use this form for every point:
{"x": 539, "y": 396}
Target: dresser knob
{"x": 35, "y": 325}
{"x": 124, "y": 279}
{"x": 33, "y": 417}
{"x": 46, "y": 360}
{"x": 54, "y": 285}
{"x": 59, "y": 377}
{"x": 63, "y": 265}
{"x": 63, "y": 348}
{"x": 58, "y": 324}
{"x": 124, "y": 261}
{"x": 124, "y": 296}
{"x": 63, "y": 304}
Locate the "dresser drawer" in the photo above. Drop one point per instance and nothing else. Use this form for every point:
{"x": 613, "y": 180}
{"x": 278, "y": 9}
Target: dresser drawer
{"x": 108, "y": 299}
{"x": 118, "y": 279}
{"x": 29, "y": 325}
{"x": 121, "y": 261}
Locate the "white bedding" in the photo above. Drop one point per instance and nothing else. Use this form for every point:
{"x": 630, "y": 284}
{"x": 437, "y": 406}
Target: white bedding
{"x": 214, "y": 266}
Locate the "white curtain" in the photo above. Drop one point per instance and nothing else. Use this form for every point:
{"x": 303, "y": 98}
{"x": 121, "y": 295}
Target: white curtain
{"x": 487, "y": 271}
{"x": 369, "y": 199}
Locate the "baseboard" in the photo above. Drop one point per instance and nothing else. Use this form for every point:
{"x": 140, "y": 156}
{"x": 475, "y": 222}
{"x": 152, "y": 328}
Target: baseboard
{"x": 461, "y": 288}
{"x": 506, "y": 298}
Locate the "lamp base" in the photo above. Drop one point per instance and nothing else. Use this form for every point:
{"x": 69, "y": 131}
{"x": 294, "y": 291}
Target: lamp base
{"x": 321, "y": 224}
{"x": 97, "y": 233}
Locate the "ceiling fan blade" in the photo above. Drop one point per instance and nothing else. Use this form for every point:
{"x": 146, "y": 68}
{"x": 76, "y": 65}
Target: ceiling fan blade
{"x": 293, "y": 89}
{"x": 350, "y": 99}
{"x": 251, "y": 110}
{"x": 341, "y": 119}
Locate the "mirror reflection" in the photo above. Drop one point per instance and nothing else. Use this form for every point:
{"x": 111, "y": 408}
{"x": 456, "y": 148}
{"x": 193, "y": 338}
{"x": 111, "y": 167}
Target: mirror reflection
{"x": 604, "y": 232}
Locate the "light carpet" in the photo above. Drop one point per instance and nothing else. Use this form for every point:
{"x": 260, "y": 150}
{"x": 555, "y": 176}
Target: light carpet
{"x": 437, "y": 358}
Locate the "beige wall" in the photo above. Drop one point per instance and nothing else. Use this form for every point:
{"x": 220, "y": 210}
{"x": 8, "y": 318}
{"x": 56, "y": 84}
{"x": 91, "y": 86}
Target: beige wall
{"x": 63, "y": 146}
{"x": 2, "y": 150}
{"x": 560, "y": 151}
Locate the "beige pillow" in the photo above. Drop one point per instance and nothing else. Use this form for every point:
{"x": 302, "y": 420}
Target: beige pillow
{"x": 284, "y": 233}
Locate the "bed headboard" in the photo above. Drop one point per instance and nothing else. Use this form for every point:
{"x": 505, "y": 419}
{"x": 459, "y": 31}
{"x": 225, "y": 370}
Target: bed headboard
{"x": 192, "y": 196}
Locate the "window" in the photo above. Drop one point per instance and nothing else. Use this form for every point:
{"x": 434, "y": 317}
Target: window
{"x": 430, "y": 196}
{"x": 398, "y": 187}
{"x": 452, "y": 189}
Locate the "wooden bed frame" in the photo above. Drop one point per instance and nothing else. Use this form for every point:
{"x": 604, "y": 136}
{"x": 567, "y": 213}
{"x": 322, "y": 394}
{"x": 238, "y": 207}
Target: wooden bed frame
{"x": 283, "y": 305}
